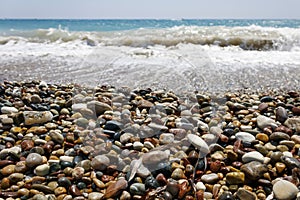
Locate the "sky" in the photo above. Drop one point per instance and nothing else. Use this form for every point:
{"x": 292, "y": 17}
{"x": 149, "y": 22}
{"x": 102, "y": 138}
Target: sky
{"x": 154, "y": 9}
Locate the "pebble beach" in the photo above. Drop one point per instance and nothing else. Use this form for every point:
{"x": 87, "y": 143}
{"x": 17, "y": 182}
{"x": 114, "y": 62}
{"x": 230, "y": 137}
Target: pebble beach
{"x": 67, "y": 141}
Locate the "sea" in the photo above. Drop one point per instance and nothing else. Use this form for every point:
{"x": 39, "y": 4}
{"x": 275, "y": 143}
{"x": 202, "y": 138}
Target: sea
{"x": 208, "y": 55}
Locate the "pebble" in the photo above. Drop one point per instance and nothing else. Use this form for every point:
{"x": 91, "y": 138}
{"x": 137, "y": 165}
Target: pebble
{"x": 166, "y": 138}
{"x": 254, "y": 170}
{"x": 235, "y": 178}
{"x": 279, "y": 136}
{"x": 263, "y": 122}
{"x": 137, "y": 189}
{"x": 37, "y": 117}
{"x": 245, "y": 194}
{"x": 245, "y": 137}
{"x": 8, "y": 110}
{"x": 34, "y": 159}
{"x": 285, "y": 190}
{"x": 95, "y": 196}
{"x": 210, "y": 178}
{"x": 281, "y": 114}
{"x": 42, "y": 170}
{"x": 8, "y": 170}
{"x": 100, "y": 162}
{"x": 253, "y": 156}
{"x": 178, "y": 174}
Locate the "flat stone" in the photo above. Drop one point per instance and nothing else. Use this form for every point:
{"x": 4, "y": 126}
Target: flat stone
{"x": 285, "y": 190}
{"x": 95, "y": 196}
{"x": 210, "y": 178}
{"x": 253, "y": 156}
{"x": 37, "y": 117}
{"x": 263, "y": 122}
{"x": 16, "y": 177}
{"x": 235, "y": 178}
{"x": 279, "y": 136}
{"x": 245, "y": 137}
{"x": 8, "y": 110}
{"x": 42, "y": 170}
{"x": 199, "y": 143}
{"x": 254, "y": 170}
{"x": 98, "y": 107}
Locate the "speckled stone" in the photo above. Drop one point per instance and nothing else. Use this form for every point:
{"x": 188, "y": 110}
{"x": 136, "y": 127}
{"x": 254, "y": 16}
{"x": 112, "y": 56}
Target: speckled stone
{"x": 254, "y": 170}
{"x": 42, "y": 170}
{"x": 34, "y": 159}
{"x": 235, "y": 178}
{"x": 245, "y": 194}
{"x": 285, "y": 190}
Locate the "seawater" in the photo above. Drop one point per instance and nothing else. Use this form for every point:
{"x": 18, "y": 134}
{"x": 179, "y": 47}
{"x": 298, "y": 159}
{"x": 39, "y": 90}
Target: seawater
{"x": 210, "y": 55}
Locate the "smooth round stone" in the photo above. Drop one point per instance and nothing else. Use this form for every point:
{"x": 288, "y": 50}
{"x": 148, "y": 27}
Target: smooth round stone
{"x": 254, "y": 170}
{"x": 42, "y": 170}
{"x": 8, "y": 110}
{"x": 16, "y": 177}
{"x": 21, "y": 167}
{"x": 98, "y": 183}
{"x": 235, "y": 178}
{"x": 137, "y": 146}
{"x": 8, "y": 170}
{"x": 98, "y": 107}
{"x": 149, "y": 145}
{"x": 66, "y": 158}
{"x": 137, "y": 189}
{"x": 198, "y": 142}
{"x": 200, "y": 186}
{"x": 124, "y": 138}
{"x": 5, "y": 183}
{"x": 263, "y": 122}
{"x": 166, "y": 138}
{"x": 34, "y": 159}
{"x": 245, "y": 194}
{"x": 64, "y": 182}
{"x": 178, "y": 174}
{"x": 210, "y": 178}
{"x": 210, "y": 138}
{"x": 244, "y": 137}
{"x": 23, "y": 192}
{"x": 253, "y": 156}
{"x": 270, "y": 147}
{"x": 288, "y": 143}
{"x": 56, "y": 136}
{"x": 125, "y": 196}
{"x": 285, "y": 190}
{"x": 279, "y": 136}
{"x": 281, "y": 114}
{"x": 262, "y": 137}
{"x": 64, "y": 111}
{"x": 95, "y": 196}
{"x": 100, "y": 162}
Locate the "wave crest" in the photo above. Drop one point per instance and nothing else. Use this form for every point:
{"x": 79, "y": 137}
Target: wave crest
{"x": 247, "y": 38}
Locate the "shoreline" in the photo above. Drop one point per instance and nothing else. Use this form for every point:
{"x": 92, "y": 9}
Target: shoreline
{"x": 72, "y": 142}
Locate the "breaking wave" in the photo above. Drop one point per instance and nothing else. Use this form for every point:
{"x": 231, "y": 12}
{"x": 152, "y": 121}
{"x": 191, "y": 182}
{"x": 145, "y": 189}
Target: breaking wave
{"x": 247, "y": 38}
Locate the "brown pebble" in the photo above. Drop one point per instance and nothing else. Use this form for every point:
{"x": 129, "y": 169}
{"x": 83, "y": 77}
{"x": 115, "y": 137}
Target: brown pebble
{"x": 74, "y": 191}
{"x": 8, "y": 170}
{"x": 115, "y": 188}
